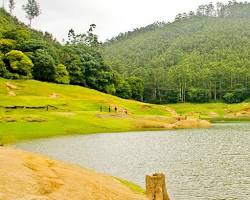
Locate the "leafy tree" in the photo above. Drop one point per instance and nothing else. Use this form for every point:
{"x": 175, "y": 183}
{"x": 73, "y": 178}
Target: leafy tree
{"x": 61, "y": 74}
{"x": 12, "y": 4}
{"x": 32, "y": 9}
{"x": 76, "y": 39}
{"x": 71, "y": 58}
{"x": 123, "y": 90}
{"x": 137, "y": 87}
{"x": 92, "y": 39}
{"x": 89, "y": 38}
{"x": 44, "y": 66}
{"x": 18, "y": 65}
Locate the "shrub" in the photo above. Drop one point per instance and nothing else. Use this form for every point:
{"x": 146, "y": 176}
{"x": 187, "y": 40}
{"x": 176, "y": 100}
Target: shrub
{"x": 123, "y": 90}
{"x": 7, "y": 45}
{"x": 197, "y": 95}
{"x": 61, "y": 75}
{"x": 18, "y": 34}
{"x": 3, "y": 70}
{"x": 44, "y": 66}
{"x": 18, "y": 65}
{"x": 137, "y": 88}
{"x": 172, "y": 97}
{"x": 33, "y": 45}
{"x": 234, "y": 97}
{"x": 110, "y": 89}
{"x": 229, "y": 98}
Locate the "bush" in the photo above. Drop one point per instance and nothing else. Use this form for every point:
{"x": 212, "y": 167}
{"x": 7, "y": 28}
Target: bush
{"x": 110, "y": 89}
{"x": 44, "y": 66}
{"x": 123, "y": 90}
{"x": 171, "y": 97}
{"x": 33, "y": 45}
{"x": 61, "y": 74}
{"x": 237, "y": 96}
{"x": 137, "y": 88}
{"x": 197, "y": 95}
{"x": 229, "y": 98}
{"x": 18, "y": 65}
{"x": 7, "y": 45}
{"x": 3, "y": 70}
{"x": 18, "y": 34}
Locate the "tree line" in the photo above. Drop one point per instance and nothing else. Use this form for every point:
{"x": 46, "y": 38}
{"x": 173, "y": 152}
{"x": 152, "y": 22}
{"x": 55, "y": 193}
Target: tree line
{"x": 230, "y": 9}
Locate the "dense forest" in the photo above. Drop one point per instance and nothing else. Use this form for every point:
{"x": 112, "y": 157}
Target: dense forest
{"x": 202, "y": 56}
{"x": 26, "y": 53}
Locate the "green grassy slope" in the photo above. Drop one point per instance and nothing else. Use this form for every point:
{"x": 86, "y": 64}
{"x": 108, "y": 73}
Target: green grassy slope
{"x": 73, "y": 110}
{"x": 76, "y": 110}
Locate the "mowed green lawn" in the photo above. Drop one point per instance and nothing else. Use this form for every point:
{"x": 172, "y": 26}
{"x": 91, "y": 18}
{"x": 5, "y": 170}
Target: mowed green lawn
{"x": 75, "y": 110}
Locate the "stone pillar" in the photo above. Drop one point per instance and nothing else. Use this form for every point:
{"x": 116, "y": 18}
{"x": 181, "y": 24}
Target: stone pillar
{"x": 156, "y": 187}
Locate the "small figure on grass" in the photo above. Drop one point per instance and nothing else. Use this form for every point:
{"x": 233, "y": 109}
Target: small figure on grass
{"x": 115, "y": 109}
{"x": 109, "y": 109}
{"x": 100, "y": 108}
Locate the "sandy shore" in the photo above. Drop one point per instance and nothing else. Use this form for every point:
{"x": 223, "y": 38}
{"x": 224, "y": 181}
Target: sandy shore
{"x": 27, "y": 176}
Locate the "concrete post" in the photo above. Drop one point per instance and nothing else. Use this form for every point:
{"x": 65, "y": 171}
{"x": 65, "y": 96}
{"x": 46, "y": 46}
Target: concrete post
{"x": 156, "y": 187}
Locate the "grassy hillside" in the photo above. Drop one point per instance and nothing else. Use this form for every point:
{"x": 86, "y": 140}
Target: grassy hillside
{"x": 76, "y": 110}
{"x": 72, "y": 110}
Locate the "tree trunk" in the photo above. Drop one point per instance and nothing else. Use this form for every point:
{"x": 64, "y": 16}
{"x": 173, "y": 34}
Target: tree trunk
{"x": 156, "y": 187}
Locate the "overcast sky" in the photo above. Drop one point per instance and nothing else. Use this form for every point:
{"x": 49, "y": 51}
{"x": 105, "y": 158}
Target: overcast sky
{"x": 110, "y": 16}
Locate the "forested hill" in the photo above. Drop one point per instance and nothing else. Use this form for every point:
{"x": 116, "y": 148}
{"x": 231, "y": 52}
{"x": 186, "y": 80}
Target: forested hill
{"x": 202, "y": 56}
{"x": 26, "y": 53}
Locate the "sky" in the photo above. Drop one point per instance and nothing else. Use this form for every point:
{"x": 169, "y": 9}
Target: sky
{"x": 110, "y": 16}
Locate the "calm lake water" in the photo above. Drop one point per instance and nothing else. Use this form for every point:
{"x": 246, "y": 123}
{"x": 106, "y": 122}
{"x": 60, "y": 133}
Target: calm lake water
{"x": 208, "y": 164}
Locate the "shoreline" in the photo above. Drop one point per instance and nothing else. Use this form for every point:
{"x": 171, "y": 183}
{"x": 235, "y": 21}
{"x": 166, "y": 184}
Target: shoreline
{"x": 26, "y": 175}
{"x": 178, "y": 125}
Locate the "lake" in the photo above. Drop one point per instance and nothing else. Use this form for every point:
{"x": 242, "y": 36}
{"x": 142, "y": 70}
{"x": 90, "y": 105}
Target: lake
{"x": 200, "y": 164}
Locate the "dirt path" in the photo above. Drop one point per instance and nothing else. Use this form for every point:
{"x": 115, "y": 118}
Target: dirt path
{"x": 26, "y": 176}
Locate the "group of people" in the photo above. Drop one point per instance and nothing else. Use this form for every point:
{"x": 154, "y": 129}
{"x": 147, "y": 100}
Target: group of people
{"x": 110, "y": 109}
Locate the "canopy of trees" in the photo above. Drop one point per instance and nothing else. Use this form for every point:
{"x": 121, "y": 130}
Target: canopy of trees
{"x": 202, "y": 56}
